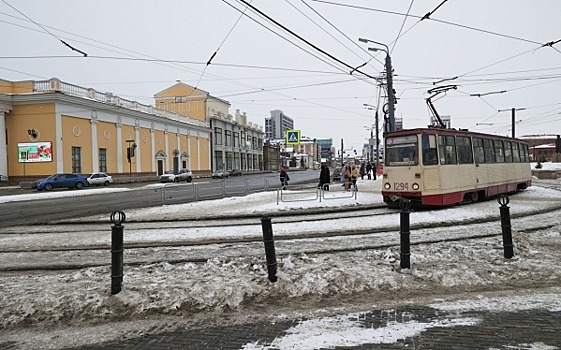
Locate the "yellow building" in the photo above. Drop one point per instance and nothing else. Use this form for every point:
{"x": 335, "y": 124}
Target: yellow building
{"x": 54, "y": 127}
{"x": 235, "y": 142}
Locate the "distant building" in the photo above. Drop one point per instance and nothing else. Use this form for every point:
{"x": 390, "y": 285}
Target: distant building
{"x": 325, "y": 149}
{"x": 277, "y": 124}
{"x": 542, "y": 147}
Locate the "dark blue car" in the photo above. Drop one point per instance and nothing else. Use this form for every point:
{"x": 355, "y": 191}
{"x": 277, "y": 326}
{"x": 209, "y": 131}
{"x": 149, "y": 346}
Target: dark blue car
{"x": 69, "y": 181}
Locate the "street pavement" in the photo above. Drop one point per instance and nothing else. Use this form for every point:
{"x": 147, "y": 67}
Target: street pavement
{"x": 531, "y": 329}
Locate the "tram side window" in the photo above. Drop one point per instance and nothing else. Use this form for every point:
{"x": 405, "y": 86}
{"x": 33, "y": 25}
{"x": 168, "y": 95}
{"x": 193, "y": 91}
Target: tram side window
{"x": 508, "y": 151}
{"x": 524, "y": 155}
{"x": 430, "y": 156}
{"x": 489, "y": 149}
{"x": 447, "y": 150}
{"x": 478, "y": 151}
{"x": 463, "y": 147}
{"x": 515, "y": 152}
{"x": 499, "y": 151}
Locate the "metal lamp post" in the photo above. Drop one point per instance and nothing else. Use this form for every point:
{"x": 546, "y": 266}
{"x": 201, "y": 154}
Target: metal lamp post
{"x": 388, "y": 65}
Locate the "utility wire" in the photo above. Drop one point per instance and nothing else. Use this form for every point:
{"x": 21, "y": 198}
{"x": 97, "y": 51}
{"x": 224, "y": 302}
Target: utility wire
{"x": 402, "y": 25}
{"x": 216, "y": 52}
{"x": 304, "y": 40}
{"x": 343, "y": 34}
{"x": 46, "y": 31}
{"x": 432, "y": 19}
{"x": 282, "y": 37}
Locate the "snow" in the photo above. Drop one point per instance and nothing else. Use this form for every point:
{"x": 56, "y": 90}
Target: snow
{"x": 75, "y": 307}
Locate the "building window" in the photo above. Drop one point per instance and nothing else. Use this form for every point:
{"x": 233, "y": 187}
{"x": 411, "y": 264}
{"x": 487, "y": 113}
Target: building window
{"x": 236, "y": 139}
{"x": 103, "y": 160}
{"x": 181, "y": 99}
{"x": 219, "y": 161}
{"x": 76, "y": 160}
{"x": 217, "y": 136}
{"x": 228, "y": 141}
{"x": 229, "y": 161}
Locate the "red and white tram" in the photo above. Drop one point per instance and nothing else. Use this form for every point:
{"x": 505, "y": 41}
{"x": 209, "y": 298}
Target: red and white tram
{"x": 440, "y": 167}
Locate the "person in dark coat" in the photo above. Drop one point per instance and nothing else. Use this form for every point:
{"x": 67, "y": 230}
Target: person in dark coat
{"x": 324, "y": 178}
{"x": 284, "y": 178}
{"x": 368, "y": 170}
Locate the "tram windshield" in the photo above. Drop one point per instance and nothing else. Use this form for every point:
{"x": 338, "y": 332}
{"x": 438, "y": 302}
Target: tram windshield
{"x": 402, "y": 150}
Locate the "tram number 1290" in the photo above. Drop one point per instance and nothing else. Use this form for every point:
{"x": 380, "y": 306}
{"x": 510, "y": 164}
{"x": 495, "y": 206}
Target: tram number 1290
{"x": 400, "y": 186}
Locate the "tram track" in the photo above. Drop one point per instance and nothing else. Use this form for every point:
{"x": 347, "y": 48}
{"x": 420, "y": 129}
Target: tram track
{"x": 321, "y": 241}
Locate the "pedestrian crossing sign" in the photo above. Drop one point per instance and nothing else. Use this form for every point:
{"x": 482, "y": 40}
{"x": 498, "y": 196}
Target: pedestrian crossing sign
{"x": 292, "y": 137}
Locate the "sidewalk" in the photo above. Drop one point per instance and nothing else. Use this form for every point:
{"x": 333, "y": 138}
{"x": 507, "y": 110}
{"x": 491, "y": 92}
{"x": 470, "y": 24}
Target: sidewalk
{"x": 434, "y": 326}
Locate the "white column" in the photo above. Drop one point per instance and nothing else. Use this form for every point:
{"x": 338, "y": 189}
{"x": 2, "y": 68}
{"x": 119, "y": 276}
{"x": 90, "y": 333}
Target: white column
{"x": 169, "y": 156}
{"x": 95, "y": 152}
{"x": 153, "y": 148}
{"x": 3, "y": 144}
{"x": 137, "y": 154}
{"x": 59, "y": 144}
{"x": 189, "y": 150}
{"x": 119, "y": 149}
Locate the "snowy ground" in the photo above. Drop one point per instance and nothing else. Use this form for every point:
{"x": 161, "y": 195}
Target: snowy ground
{"x": 69, "y": 309}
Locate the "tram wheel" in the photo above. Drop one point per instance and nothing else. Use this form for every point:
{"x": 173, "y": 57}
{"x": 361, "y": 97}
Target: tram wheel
{"x": 474, "y": 197}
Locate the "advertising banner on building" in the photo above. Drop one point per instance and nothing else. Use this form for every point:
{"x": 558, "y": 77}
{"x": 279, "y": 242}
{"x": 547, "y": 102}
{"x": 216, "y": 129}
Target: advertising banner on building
{"x": 30, "y": 152}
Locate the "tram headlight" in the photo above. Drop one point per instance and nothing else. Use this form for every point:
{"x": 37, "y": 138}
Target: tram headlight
{"x": 415, "y": 186}
{"x": 387, "y": 186}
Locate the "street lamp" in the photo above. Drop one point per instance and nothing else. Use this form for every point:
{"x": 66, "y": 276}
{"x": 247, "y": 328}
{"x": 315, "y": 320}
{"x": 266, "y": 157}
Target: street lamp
{"x": 391, "y": 97}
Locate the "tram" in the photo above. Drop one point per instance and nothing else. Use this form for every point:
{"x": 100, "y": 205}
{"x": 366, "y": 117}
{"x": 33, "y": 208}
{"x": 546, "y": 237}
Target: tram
{"x": 436, "y": 167}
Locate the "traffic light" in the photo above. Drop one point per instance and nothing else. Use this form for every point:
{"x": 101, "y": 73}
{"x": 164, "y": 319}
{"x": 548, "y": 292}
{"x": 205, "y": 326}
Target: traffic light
{"x": 558, "y": 144}
{"x": 129, "y": 153}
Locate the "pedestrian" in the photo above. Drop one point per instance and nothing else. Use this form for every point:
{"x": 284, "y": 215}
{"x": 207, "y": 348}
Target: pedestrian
{"x": 347, "y": 175}
{"x": 324, "y": 178}
{"x": 362, "y": 170}
{"x": 284, "y": 178}
{"x": 368, "y": 170}
{"x": 354, "y": 176}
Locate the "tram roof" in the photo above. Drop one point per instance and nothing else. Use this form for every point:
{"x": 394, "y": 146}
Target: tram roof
{"x": 450, "y": 132}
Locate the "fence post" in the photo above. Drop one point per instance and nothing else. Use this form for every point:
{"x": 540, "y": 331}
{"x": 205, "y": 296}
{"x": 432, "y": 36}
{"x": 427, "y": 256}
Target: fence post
{"x": 505, "y": 225}
{"x": 269, "y": 248}
{"x": 405, "y": 205}
{"x": 117, "y": 218}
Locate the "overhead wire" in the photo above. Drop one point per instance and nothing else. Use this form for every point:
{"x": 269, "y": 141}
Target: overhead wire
{"x": 216, "y": 51}
{"x": 307, "y": 42}
{"x": 342, "y": 33}
{"x": 402, "y": 25}
{"x": 46, "y": 31}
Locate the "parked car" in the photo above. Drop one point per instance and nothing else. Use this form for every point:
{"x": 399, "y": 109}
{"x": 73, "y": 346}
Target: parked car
{"x": 236, "y": 172}
{"x": 99, "y": 179}
{"x": 182, "y": 175}
{"x": 220, "y": 174}
{"x": 336, "y": 176}
{"x": 69, "y": 181}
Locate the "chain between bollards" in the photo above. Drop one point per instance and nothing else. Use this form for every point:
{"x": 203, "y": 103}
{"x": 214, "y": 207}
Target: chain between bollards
{"x": 117, "y": 218}
{"x": 269, "y": 248}
{"x": 505, "y": 226}
{"x": 404, "y": 233}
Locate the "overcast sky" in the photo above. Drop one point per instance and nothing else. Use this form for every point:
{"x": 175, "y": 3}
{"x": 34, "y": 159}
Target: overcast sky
{"x": 490, "y": 46}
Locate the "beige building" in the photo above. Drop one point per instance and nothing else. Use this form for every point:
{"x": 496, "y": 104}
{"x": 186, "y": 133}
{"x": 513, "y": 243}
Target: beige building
{"x": 236, "y": 143}
{"x": 53, "y": 127}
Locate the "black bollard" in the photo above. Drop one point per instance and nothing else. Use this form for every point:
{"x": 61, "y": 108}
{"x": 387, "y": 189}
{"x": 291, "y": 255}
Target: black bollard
{"x": 505, "y": 225}
{"x": 117, "y": 218}
{"x": 269, "y": 248}
{"x": 405, "y": 243}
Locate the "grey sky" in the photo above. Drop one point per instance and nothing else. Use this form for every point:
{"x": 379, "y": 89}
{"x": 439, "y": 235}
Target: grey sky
{"x": 490, "y": 46}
